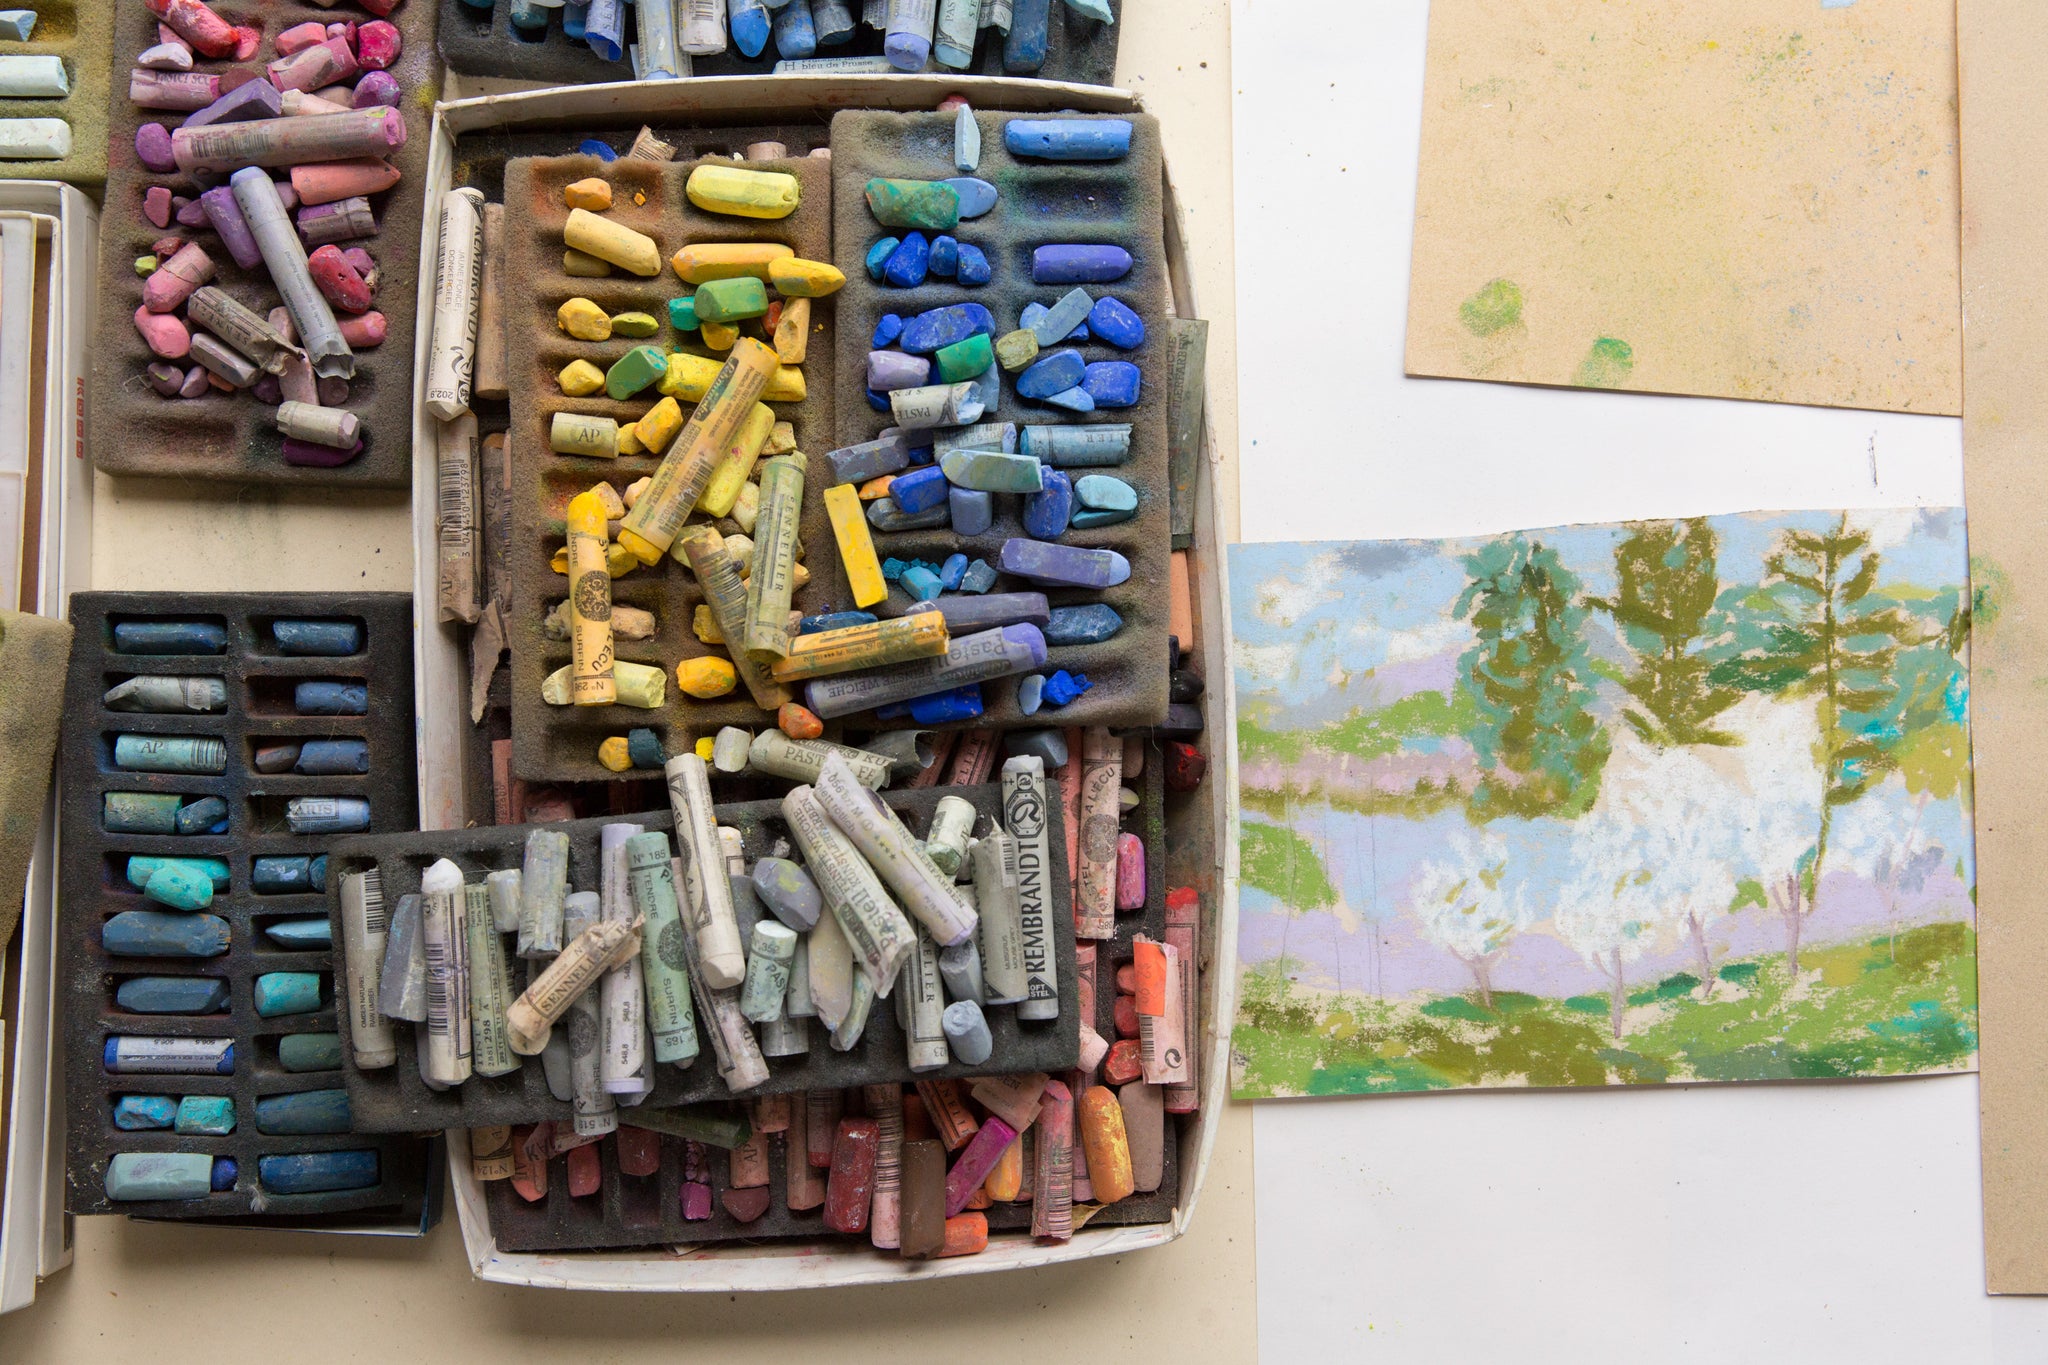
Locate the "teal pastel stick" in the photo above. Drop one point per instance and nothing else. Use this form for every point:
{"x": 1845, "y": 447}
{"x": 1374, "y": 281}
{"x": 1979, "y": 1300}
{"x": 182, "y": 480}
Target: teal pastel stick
{"x": 282, "y": 993}
{"x": 140, "y": 812}
{"x": 180, "y": 887}
{"x": 317, "y": 1172}
{"x": 298, "y": 1052}
{"x": 200, "y": 754}
{"x": 143, "y": 866}
{"x": 158, "y": 933}
{"x": 307, "y": 1112}
{"x": 301, "y": 934}
{"x": 133, "y": 1176}
{"x": 205, "y": 1116}
{"x": 139, "y": 1113}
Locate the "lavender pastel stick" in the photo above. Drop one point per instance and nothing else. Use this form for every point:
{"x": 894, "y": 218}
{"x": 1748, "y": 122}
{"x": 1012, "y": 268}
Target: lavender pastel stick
{"x": 285, "y": 258}
{"x": 969, "y": 659}
{"x": 225, "y": 215}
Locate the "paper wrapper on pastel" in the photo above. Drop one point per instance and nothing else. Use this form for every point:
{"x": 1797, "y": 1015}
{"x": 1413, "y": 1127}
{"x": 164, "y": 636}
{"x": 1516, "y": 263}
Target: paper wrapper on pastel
{"x": 34, "y": 652}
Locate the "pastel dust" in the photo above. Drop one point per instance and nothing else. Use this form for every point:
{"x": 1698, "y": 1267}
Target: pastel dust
{"x": 1607, "y": 365}
{"x": 1495, "y": 308}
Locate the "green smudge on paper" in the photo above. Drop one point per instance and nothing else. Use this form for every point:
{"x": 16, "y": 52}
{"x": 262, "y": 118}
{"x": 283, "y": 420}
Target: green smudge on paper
{"x": 1607, "y": 366}
{"x": 1495, "y": 308}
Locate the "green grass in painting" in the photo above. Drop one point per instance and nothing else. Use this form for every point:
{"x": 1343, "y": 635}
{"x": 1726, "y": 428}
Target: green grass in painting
{"x": 1880, "y": 1007}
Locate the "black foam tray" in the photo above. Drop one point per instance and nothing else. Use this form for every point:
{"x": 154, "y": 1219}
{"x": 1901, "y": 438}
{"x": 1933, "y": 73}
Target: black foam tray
{"x": 476, "y": 42}
{"x": 94, "y": 887}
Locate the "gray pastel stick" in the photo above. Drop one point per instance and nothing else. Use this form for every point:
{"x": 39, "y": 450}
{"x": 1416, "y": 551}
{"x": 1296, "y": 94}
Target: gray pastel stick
{"x": 490, "y": 989}
{"x": 402, "y": 982}
{"x": 772, "y": 948}
{"x": 167, "y": 695}
{"x": 967, "y": 1033}
{"x": 923, "y": 1008}
{"x": 960, "y": 970}
{"x": 503, "y": 886}
{"x": 364, "y": 933}
{"x": 458, "y": 278}
{"x": 285, "y": 258}
{"x": 801, "y": 760}
{"x": 543, "y": 883}
{"x": 594, "y": 1111}
{"x": 622, "y": 990}
{"x": 999, "y": 931}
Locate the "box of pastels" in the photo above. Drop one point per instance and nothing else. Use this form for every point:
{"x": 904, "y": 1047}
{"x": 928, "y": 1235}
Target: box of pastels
{"x": 265, "y": 182}
{"x": 53, "y": 92}
{"x": 214, "y": 745}
{"x": 577, "y": 44}
{"x": 1150, "y": 839}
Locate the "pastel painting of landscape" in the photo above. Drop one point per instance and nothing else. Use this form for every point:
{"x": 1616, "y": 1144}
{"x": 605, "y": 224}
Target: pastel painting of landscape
{"x": 1660, "y": 802}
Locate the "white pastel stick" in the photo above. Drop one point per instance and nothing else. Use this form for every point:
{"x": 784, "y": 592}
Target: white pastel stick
{"x": 445, "y": 936}
{"x": 458, "y": 282}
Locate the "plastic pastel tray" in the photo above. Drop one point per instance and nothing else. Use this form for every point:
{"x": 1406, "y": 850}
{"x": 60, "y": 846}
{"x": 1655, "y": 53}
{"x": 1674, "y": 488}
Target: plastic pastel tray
{"x": 259, "y": 711}
{"x": 483, "y": 42}
{"x": 232, "y": 436}
{"x": 1116, "y": 202}
{"x": 84, "y": 50}
{"x": 394, "y": 1099}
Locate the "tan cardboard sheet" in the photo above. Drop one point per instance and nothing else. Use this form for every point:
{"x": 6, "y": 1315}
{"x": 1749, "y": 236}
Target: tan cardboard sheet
{"x": 1738, "y": 198}
{"x": 2003, "y": 44}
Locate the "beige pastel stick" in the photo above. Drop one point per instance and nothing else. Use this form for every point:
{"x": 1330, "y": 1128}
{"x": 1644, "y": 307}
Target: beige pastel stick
{"x": 451, "y": 360}
{"x": 1102, "y": 765}
{"x": 489, "y": 381}
{"x": 734, "y": 1049}
{"x": 713, "y": 921}
{"x": 455, "y": 467}
{"x": 711, "y": 562}
{"x": 589, "y": 955}
{"x": 873, "y": 927}
{"x": 894, "y": 852}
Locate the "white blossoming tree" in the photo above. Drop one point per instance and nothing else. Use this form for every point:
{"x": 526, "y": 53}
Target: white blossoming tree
{"x": 1468, "y": 907}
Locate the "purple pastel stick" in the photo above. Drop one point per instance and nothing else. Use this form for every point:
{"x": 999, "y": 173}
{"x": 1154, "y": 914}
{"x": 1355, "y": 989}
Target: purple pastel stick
{"x": 378, "y": 88}
{"x": 226, "y": 216}
{"x": 342, "y": 221}
{"x": 1073, "y": 264}
{"x": 1065, "y": 565}
{"x": 249, "y": 100}
{"x": 153, "y": 148}
{"x": 976, "y": 1161}
{"x": 968, "y": 659}
{"x": 307, "y": 454}
{"x": 190, "y": 212}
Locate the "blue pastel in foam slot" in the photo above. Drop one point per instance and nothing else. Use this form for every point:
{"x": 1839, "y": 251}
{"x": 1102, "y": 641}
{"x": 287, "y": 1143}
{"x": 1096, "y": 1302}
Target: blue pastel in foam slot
{"x": 157, "y": 933}
{"x": 325, "y": 638}
{"x": 128, "y": 1054}
{"x": 172, "y": 995}
{"x": 322, "y": 697}
{"x": 317, "y": 1172}
{"x": 305, "y": 1113}
{"x": 144, "y": 1113}
{"x": 154, "y": 636}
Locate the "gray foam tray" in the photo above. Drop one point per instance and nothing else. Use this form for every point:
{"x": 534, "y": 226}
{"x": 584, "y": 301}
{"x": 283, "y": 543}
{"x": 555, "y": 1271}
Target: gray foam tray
{"x": 84, "y": 49}
{"x": 394, "y": 1098}
{"x": 1117, "y": 202}
{"x": 484, "y": 43}
{"x": 232, "y": 436}
{"x": 560, "y": 742}
{"x": 259, "y": 710}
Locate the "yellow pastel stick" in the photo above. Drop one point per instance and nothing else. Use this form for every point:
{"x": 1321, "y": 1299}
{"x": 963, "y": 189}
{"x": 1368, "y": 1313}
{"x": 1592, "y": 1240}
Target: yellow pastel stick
{"x": 737, "y": 463}
{"x": 707, "y": 261}
{"x": 590, "y": 605}
{"x": 856, "y": 547}
{"x": 613, "y": 242}
{"x": 741, "y": 192}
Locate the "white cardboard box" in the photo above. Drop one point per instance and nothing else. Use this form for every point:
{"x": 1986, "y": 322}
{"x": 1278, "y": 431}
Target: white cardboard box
{"x": 35, "y": 1231}
{"x": 444, "y": 732}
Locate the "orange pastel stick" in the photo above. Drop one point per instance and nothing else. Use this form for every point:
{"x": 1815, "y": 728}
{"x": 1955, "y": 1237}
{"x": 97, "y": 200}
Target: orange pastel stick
{"x": 949, "y": 1112}
{"x": 966, "y": 1233}
{"x": 1107, "y": 1145}
{"x": 1150, "y": 961}
{"x": 1006, "y": 1181}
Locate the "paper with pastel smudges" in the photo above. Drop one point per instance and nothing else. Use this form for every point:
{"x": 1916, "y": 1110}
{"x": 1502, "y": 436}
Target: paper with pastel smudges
{"x": 1731, "y": 198}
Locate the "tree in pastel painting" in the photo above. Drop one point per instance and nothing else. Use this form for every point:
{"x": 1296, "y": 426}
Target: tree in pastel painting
{"x": 1467, "y": 906}
{"x": 1814, "y": 629}
{"x": 1664, "y": 609}
{"x": 1539, "y": 744}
